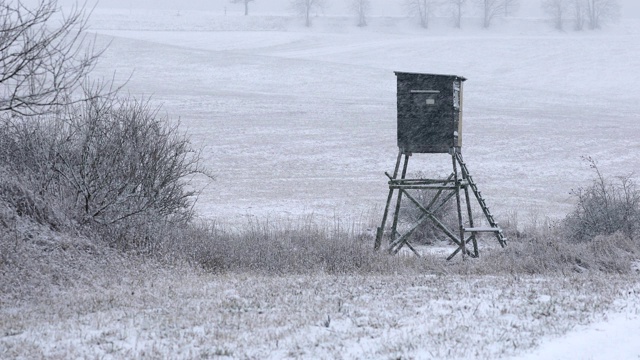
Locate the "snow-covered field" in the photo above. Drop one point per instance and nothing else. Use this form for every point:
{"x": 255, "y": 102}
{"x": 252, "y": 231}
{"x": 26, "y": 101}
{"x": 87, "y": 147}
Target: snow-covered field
{"x": 296, "y": 121}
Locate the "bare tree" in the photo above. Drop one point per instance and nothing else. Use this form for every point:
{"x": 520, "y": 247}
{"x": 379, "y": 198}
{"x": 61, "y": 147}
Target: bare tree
{"x": 306, "y": 7}
{"x": 556, "y": 9}
{"x": 361, "y": 8}
{"x": 490, "y": 9}
{"x": 599, "y": 11}
{"x": 246, "y": 5}
{"x": 579, "y": 14}
{"x": 457, "y": 8}
{"x": 511, "y": 7}
{"x": 423, "y": 9}
{"x": 44, "y": 58}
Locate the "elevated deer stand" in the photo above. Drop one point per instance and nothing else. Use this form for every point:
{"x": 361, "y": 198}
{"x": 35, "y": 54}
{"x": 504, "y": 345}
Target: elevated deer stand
{"x": 430, "y": 121}
{"x": 444, "y": 190}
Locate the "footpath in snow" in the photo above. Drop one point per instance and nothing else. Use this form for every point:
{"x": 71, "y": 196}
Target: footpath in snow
{"x": 616, "y": 338}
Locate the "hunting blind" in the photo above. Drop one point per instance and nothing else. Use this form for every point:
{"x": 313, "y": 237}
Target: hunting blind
{"x": 430, "y": 121}
{"x": 429, "y": 112}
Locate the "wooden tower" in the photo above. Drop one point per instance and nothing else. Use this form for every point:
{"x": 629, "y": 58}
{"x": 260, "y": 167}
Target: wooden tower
{"x": 430, "y": 121}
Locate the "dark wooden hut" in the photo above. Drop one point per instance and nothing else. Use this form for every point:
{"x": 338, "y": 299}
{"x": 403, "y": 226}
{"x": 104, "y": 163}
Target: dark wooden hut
{"x": 429, "y": 112}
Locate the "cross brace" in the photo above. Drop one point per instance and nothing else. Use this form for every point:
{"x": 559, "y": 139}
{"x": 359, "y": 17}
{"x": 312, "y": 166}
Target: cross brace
{"x": 445, "y": 190}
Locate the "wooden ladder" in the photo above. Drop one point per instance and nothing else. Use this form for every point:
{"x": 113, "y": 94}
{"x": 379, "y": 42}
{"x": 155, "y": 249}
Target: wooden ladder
{"x": 494, "y": 227}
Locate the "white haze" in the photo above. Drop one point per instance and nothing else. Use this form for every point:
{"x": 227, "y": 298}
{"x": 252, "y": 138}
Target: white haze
{"x": 528, "y": 8}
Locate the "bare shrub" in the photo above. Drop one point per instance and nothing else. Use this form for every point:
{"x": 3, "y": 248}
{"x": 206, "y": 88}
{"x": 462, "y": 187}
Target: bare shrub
{"x": 604, "y": 208}
{"x": 126, "y": 165}
{"x": 108, "y": 164}
{"x": 123, "y": 159}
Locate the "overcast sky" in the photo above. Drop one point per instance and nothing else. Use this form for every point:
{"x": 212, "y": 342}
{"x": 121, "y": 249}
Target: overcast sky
{"x": 630, "y": 8}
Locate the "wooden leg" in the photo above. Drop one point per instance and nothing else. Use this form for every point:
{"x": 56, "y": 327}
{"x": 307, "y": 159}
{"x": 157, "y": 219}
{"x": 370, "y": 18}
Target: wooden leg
{"x": 467, "y": 199}
{"x": 380, "y": 230}
{"x": 399, "y": 200}
{"x": 463, "y": 243}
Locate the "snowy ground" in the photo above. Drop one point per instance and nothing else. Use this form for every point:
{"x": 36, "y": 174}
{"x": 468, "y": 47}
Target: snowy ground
{"x": 186, "y": 315}
{"x": 296, "y": 121}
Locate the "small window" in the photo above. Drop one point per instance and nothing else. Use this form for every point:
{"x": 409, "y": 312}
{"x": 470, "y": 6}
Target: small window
{"x": 425, "y": 91}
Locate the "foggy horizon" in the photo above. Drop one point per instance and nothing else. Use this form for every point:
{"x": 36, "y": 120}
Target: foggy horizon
{"x": 527, "y": 8}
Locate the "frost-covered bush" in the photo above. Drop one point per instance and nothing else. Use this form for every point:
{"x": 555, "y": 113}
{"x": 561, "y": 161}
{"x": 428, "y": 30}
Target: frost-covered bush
{"x": 603, "y": 208}
{"x": 123, "y": 159}
{"x": 108, "y": 164}
{"x": 27, "y": 183}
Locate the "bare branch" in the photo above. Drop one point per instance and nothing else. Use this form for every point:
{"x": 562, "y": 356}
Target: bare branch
{"x": 44, "y": 58}
{"x": 490, "y": 9}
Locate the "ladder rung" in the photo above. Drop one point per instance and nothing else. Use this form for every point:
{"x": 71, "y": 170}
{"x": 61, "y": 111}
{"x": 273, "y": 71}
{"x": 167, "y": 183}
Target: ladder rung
{"x": 483, "y": 229}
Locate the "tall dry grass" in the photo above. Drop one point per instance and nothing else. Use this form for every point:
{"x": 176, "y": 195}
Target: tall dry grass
{"x": 304, "y": 247}
{"x": 287, "y": 247}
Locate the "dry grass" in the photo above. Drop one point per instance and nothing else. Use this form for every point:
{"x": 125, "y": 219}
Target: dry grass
{"x": 304, "y": 247}
{"x": 549, "y": 256}
{"x": 286, "y": 248}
